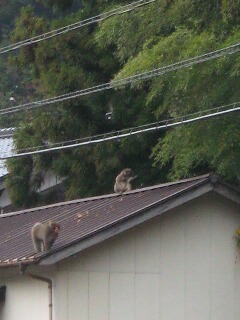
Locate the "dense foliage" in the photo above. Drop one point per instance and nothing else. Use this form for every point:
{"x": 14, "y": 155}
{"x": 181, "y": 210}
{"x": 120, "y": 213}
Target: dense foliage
{"x": 155, "y": 35}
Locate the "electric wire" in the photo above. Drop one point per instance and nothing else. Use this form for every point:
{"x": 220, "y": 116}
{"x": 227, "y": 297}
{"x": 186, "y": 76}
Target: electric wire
{"x": 127, "y": 80}
{"x": 141, "y": 76}
{"x": 95, "y": 19}
{"x": 219, "y": 111}
{"x": 116, "y": 135}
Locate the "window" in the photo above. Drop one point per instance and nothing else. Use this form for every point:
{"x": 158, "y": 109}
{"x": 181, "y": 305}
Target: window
{"x": 2, "y": 293}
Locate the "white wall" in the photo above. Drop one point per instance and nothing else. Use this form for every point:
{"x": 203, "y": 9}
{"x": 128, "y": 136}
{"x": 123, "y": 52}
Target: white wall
{"x": 50, "y": 180}
{"x": 177, "y": 267}
{"x": 25, "y": 299}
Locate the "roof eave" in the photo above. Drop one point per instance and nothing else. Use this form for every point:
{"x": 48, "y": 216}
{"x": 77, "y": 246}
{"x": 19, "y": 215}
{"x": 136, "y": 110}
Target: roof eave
{"x": 227, "y": 191}
{"x": 19, "y": 263}
{"x": 134, "y": 219}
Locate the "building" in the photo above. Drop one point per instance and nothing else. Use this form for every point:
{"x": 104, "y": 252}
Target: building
{"x": 6, "y": 147}
{"x": 51, "y": 180}
{"x": 164, "y": 252}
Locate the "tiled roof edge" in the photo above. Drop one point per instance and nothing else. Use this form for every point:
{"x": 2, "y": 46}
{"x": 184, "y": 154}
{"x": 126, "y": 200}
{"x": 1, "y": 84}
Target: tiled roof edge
{"x": 7, "y": 132}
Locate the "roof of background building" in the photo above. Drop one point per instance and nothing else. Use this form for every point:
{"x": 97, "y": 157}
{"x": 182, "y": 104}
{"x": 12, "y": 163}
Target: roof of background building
{"x": 86, "y": 222}
{"x": 6, "y": 147}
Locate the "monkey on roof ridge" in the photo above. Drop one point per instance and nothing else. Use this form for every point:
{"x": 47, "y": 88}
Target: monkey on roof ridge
{"x": 123, "y": 181}
{"x": 44, "y": 235}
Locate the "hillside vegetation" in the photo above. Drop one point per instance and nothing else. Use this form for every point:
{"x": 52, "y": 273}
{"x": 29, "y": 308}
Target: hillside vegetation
{"x": 153, "y": 36}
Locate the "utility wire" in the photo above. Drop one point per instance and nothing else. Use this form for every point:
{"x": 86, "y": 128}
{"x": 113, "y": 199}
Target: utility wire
{"x": 76, "y": 25}
{"x": 124, "y": 81}
{"x": 116, "y": 135}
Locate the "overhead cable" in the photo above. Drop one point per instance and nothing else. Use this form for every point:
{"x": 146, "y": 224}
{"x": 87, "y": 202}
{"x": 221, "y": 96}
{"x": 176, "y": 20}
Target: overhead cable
{"x": 120, "y": 10}
{"x": 128, "y": 80}
{"x": 116, "y": 135}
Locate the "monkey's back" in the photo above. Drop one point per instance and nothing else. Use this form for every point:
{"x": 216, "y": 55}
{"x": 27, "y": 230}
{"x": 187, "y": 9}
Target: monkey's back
{"x": 37, "y": 230}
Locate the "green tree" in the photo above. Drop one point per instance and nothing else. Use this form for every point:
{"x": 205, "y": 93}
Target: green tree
{"x": 155, "y": 35}
{"x": 177, "y": 30}
{"x": 73, "y": 61}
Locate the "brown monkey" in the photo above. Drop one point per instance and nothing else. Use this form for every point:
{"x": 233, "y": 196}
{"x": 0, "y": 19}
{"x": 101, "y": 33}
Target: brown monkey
{"x": 123, "y": 181}
{"x": 44, "y": 235}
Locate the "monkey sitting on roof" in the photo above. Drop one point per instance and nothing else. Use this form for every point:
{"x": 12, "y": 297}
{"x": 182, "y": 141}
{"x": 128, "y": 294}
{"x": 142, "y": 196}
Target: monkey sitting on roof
{"x": 123, "y": 181}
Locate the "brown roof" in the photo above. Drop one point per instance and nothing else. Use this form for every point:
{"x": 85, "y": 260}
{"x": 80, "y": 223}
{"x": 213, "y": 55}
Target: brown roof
{"x": 81, "y": 219}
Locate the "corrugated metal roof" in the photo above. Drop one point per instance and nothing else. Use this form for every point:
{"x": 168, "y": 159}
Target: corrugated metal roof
{"x": 81, "y": 218}
{"x": 7, "y": 132}
{"x": 6, "y": 147}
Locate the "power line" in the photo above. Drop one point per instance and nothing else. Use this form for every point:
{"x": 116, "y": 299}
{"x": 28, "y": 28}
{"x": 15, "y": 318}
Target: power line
{"x": 116, "y": 135}
{"x": 124, "y": 81}
{"x": 76, "y": 25}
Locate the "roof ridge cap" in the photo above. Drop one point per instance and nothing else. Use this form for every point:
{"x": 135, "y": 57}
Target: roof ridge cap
{"x": 208, "y": 175}
{"x": 59, "y": 204}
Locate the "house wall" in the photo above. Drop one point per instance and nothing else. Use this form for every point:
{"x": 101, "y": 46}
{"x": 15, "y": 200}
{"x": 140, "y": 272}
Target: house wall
{"x": 50, "y": 180}
{"x": 25, "y": 299}
{"x": 4, "y": 199}
{"x": 181, "y": 266}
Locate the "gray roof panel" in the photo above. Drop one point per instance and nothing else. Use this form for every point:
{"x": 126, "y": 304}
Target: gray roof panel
{"x": 6, "y": 147}
{"x": 80, "y": 219}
